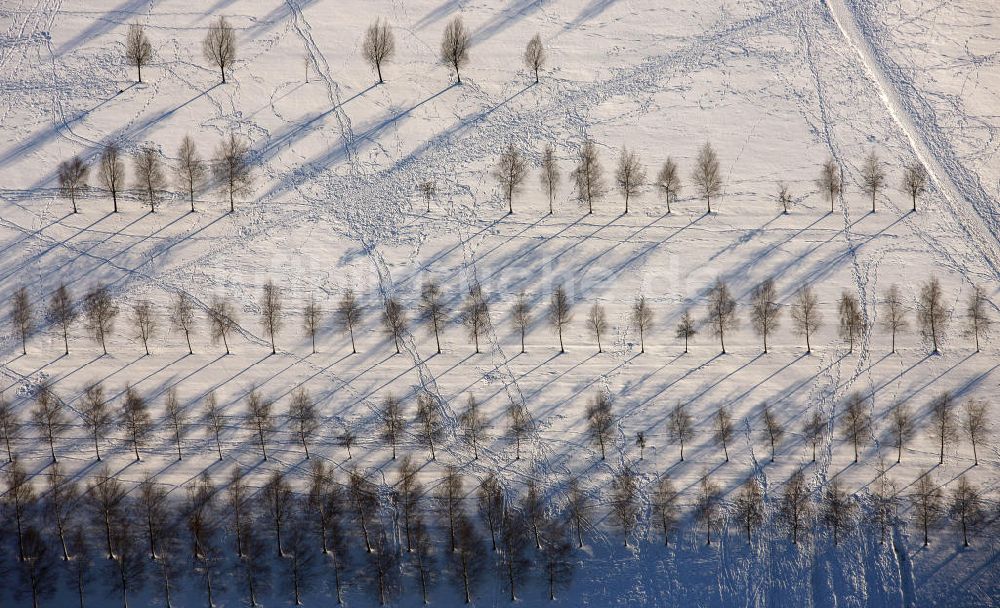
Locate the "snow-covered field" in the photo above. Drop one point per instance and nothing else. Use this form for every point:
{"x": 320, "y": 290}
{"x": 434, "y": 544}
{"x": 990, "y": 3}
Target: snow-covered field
{"x": 777, "y": 87}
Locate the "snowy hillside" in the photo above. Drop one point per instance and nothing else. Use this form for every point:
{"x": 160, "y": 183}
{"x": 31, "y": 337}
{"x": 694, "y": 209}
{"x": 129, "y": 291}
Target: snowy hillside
{"x": 383, "y": 188}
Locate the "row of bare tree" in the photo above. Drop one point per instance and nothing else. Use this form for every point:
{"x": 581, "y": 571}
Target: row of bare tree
{"x": 231, "y": 170}
{"x": 378, "y": 47}
{"x": 765, "y": 313}
{"x": 381, "y": 537}
{"x": 630, "y": 179}
{"x": 52, "y": 418}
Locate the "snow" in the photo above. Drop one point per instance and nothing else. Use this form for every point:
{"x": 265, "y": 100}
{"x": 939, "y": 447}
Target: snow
{"x": 776, "y": 86}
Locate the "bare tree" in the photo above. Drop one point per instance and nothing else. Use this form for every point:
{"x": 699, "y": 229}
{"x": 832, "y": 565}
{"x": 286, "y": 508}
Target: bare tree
{"x": 624, "y": 500}
{"x": 455, "y": 46}
{"x": 838, "y": 510}
{"x": 724, "y": 429}
{"x": 379, "y": 45}
{"x": 578, "y": 508}
{"x": 149, "y": 176}
{"x": 429, "y": 429}
{"x": 966, "y": 506}
{"x": 270, "y": 311}
{"x": 135, "y": 421}
{"x": 138, "y": 49}
{"x": 773, "y": 427}
{"x": 680, "y": 427}
{"x": 902, "y": 426}
{"x": 10, "y": 425}
{"x": 893, "y": 313}
{"x": 474, "y": 425}
{"x": 514, "y": 558}
{"x": 520, "y": 315}
{"x": 805, "y": 313}
{"x": 215, "y": 420}
{"x": 19, "y": 500}
{"x": 300, "y": 558}
{"x": 510, "y": 173}
{"x": 191, "y": 170}
{"x": 410, "y": 496}
{"x": 943, "y": 423}
{"x": 38, "y": 568}
{"x": 49, "y": 415}
{"x": 914, "y": 181}
{"x": 311, "y": 320}
{"x": 550, "y": 173}
{"x": 686, "y": 328}
{"x": 873, "y": 176}
{"x": 856, "y": 422}
{"x": 976, "y": 424}
{"x": 304, "y": 417}
{"x": 96, "y": 413}
{"x": 100, "y": 312}
{"x": 708, "y": 505}
{"x": 534, "y": 55}
{"x": 393, "y": 423}
{"x": 588, "y": 175}
{"x": 278, "y": 498}
{"x": 424, "y": 557}
{"x": 765, "y": 313}
{"x": 394, "y": 321}
{"x": 182, "y": 316}
{"x": 222, "y": 318}
{"x": 812, "y": 429}
{"x": 232, "y": 168}
{"x": 349, "y": 314}
{"x": 238, "y": 504}
{"x": 707, "y": 176}
{"x": 111, "y": 171}
{"x": 784, "y": 197}
{"x": 346, "y": 439}
{"x": 61, "y": 502}
{"x": 977, "y": 314}
{"x": 721, "y": 311}
{"x": 852, "y": 324}
{"x": 467, "y": 558}
{"x": 928, "y": 503}
{"x": 491, "y": 503}
{"x": 201, "y": 518}
{"x": 155, "y": 510}
{"x": 72, "y": 176}
{"x": 427, "y": 190}
{"x": 668, "y": 180}
{"x": 829, "y": 180}
{"x": 432, "y": 309}
{"x": 642, "y": 318}
{"x": 640, "y": 442}
{"x": 557, "y": 559}
{"x": 219, "y": 45}
{"x": 177, "y": 418}
{"x": 749, "y": 506}
{"x": 521, "y": 424}
{"x": 476, "y": 313}
{"x": 885, "y": 501}
{"x": 63, "y": 312}
{"x": 81, "y": 565}
{"x": 327, "y": 502}
{"x": 600, "y": 422}
{"x": 22, "y": 317}
{"x": 666, "y": 507}
{"x": 107, "y": 494}
{"x": 144, "y": 322}
{"x": 630, "y": 176}
{"x": 597, "y": 321}
{"x": 450, "y": 494}
{"x": 560, "y": 313}
{"x": 796, "y": 507}
{"x": 259, "y": 418}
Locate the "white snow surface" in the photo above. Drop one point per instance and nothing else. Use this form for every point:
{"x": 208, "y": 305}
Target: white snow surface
{"x": 776, "y": 86}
